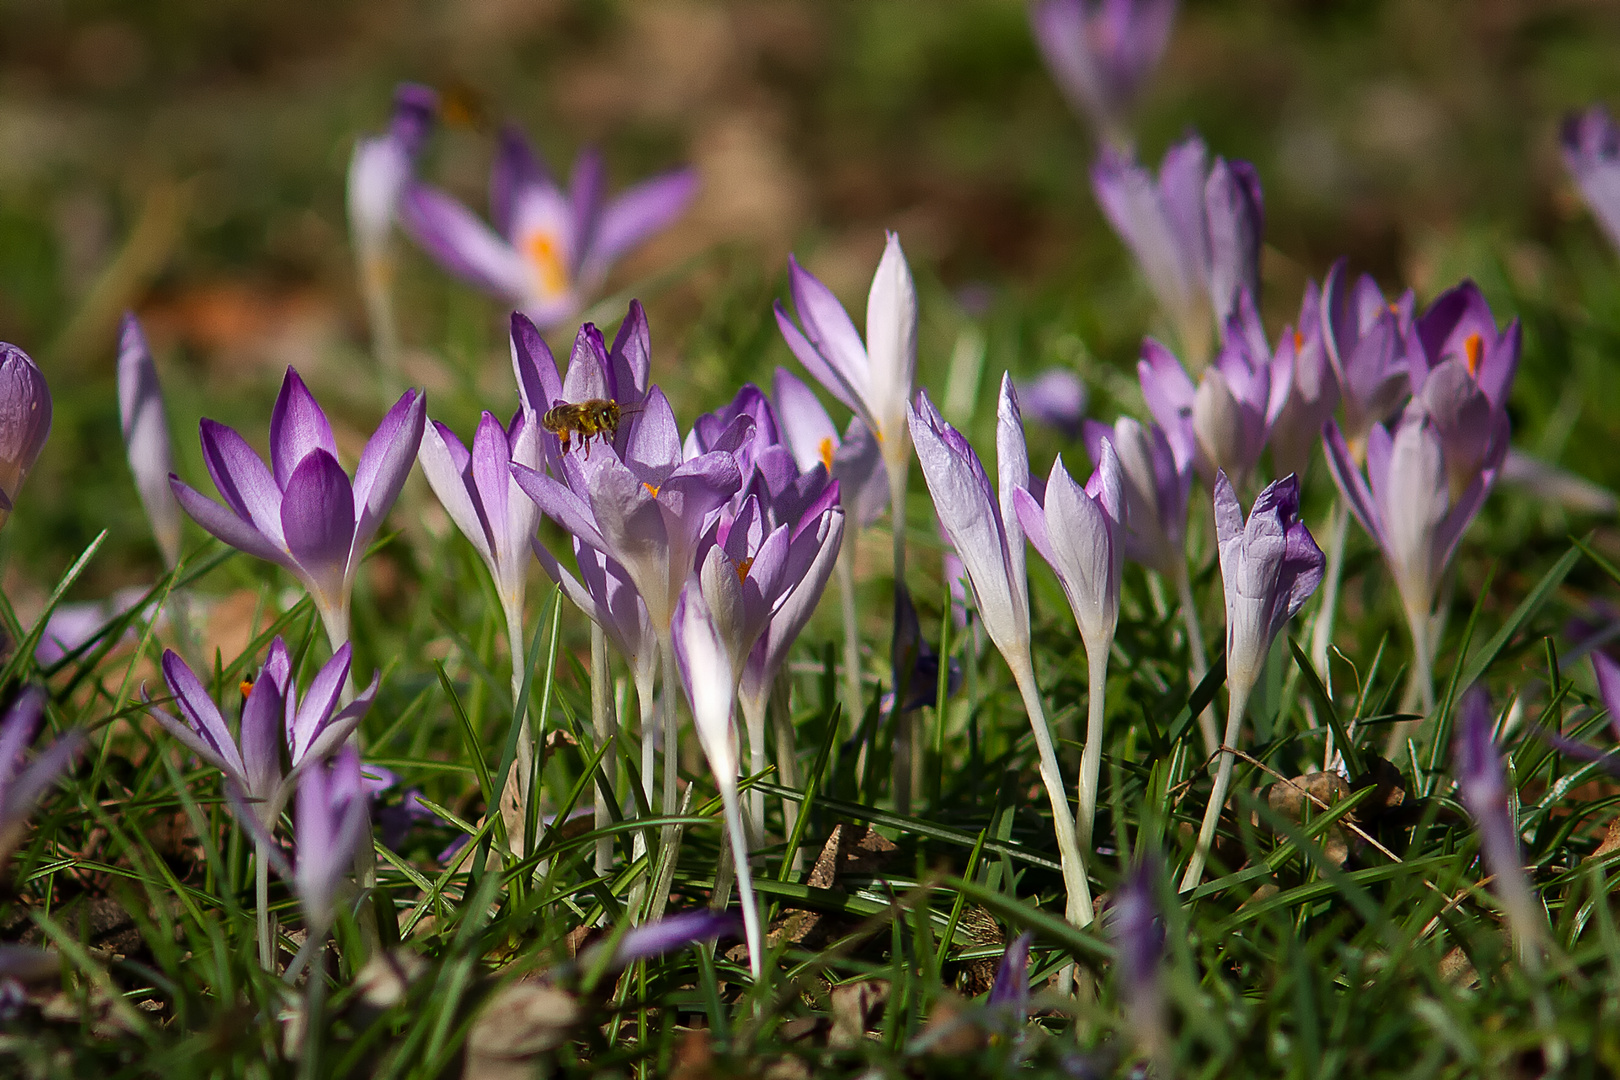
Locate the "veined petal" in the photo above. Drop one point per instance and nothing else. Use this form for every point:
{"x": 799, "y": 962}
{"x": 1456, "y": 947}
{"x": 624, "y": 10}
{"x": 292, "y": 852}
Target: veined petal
{"x": 146, "y": 437}
{"x": 226, "y": 526}
{"x": 298, "y": 427}
{"x": 462, "y": 244}
{"x": 246, "y": 485}
{"x": 891, "y": 340}
{"x": 451, "y": 484}
{"x": 634, "y": 216}
{"x": 630, "y": 359}
{"x": 808, "y": 431}
{"x": 830, "y": 331}
{"x": 536, "y": 370}
{"x": 384, "y": 465}
{"x": 317, "y": 517}
{"x": 319, "y": 703}
{"x": 261, "y": 736}
{"x": 587, "y": 376}
{"x": 561, "y": 504}
{"x": 492, "y": 479}
{"x": 202, "y": 714}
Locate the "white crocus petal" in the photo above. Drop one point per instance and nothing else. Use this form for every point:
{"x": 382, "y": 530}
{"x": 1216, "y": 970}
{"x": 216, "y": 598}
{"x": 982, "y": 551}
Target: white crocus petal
{"x": 891, "y": 347}
{"x": 722, "y": 593}
{"x": 450, "y": 486}
{"x": 378, "y": 172}
{"x": 711, "y": 682}
{"x": 1012, "y": 473}
{"x": 146, "y": 438}
{"x": 1413, "y": 505}
{"x": 1078, "y": 528}
{"x": 1218, "y": 422}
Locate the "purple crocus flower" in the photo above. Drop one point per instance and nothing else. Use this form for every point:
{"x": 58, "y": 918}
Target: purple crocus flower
{"x": 277, "y": 724}
{"x": 1221, "y": 425}
{"x": 855, "y": 460}
{"x": 146, "y": 437}
{"x": 550, "y": 249}
{"x": 303, "y": 512}
{"x": 1270, "y": 565}
{"x": 654, "y": 939}
{"x": 1301, "y": 363}
{"x": 1137, "y": 930}
{"x": 1465, "y": 381}
{"x": 1482, "y": 786}
{"x": 1057, "y": 398}
{"x": 1080, "y": 534}
{"x": 873, "y": 378}
{"x": 1608, "y": 683}
{"x": 25, "y": 422}
{"x": 990, "y": 540}
{"x": 1195, "y": 232}
{"x": 1372, "y": 346}
{"x": 331, "y": 819}
{"x": 22, "y": 785}
{"x": 1101, "y": 52}
{"x": 1156, "y": 490}
{"x": 379, "y": 171}
{"x": 478, "y": 492}
{"x": 1405, "y": 503}
{"x": 1010, "y": 990}
{"x": 710, "y": 680}
{"x": 1591, "y": 147}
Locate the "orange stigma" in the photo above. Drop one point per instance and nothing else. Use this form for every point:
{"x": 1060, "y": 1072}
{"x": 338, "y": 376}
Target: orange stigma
{"x": 652, "y": 489}
{"x": 743, "y": 568}
{"x": 246, "y": 687}
{"x": 546, "y": 258}
{"x": 1299, "y": 341}
{"x": 1474, "y": 351}
{"x": 826, "y": 450}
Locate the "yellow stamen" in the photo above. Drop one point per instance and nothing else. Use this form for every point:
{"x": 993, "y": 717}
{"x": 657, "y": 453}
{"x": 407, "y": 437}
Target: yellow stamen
{"x": 743, "y": 568}
{"x": 547, "y": 259}
{"x": 1299, "y": 341}
{"x": 826, "y": 449}
{"x": 652, "y": 489}
{"x": 1474, "y": 351}
{"x": 246, "y": 687}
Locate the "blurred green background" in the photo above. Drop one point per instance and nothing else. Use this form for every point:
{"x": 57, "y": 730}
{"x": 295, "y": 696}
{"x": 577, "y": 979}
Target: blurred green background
{"x": 186, "y": 158}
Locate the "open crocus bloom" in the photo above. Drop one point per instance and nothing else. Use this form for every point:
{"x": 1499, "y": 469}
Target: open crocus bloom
{"x": 1372, "y": 346}
{"x": 1195, "y": 231}
{"x": 1101, "y": 52}
{"x": 1591, "y": 147}
{"x": 550, "y": 249}
{"x": 303, "y": 512}
{"x": 277, "y": 724}
{"x": 1465, "y": 378}
{"x": 25, "y": 421}
{"x": 855, "y": 460}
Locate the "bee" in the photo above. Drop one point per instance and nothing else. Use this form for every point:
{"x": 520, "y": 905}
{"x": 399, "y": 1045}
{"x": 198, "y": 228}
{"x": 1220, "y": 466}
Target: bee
{"x": 597, "y": 419}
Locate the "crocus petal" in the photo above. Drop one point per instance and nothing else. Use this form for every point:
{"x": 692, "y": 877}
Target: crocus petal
{"x": 261, "y": 736}
{"x": 561, "y": 504}
{"x": 318, "y": 703}
{"x": 672, "y": 932}
{"x": 317, "y": 517}
{"x": 244, "y": 482}
{"x": 891, "y": 343}
{"x": 202, "y": 714}
{"x": 636, "y": 215}
{"x": 808, "y": 430}
{"x": 146, "y": 437}
{"x": 536, "y": 369}
{"x": 226, "y": 526}
{"x": 462, "y": 244}
{"x": 298, "y": 427}
{"x": 450, "y": 485}
{"x": 25, "y": 418}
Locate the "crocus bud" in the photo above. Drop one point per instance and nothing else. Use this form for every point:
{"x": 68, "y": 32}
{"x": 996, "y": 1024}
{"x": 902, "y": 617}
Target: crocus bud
{"x": 1078, "y": 532}
{"x": 1270, "y": 565}
{"x": 1137, "y": 930}
{"x": 146, "y": 438}
{"x": 1101, "y": 55}
{"x": 330, "y": 823}
{"x": 1156, "y": 489}
{"x": 25, "y": 421}
{"x": 1591, "y": 146}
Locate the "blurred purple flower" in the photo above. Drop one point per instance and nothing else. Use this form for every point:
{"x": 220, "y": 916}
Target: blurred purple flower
{"x": 1010, "y": 990}
{"x": 380, "y": 170}
{"x": 277, "y": 725}
{"x": 654, "y": 939}
{"x": 1608, "y": 682}
{"x": 1222, "y": 424}
{"x": 873, "y": 378}
{"x": 72, "y": 625}
{"x": 25, "y": 422}
{"x": 306, "y": 515}
{"x": 1373, "y": 348}
{"x": 1465, "y": 379}
{"x": 1102, "y": 52}
{"x": 22, "y": 785}
{"x": 331, "y": 819}
{"x": 146, "y": 438}
{"x": 1301, "y": 363}
{"x": 1137, "y": 930}
{"x": 1591, "y": 148}
{"x": 550, "y": 249}
{"x": 1195, "y": 232}
{"x": 1156, "y": 487}
{"x": 1482, "y": 786}
{"x": 1057, "y": 398}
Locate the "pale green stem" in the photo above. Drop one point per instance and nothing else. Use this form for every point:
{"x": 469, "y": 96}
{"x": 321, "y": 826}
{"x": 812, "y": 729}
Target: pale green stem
{"x": 1420, "y": 684}
{"x": 1195, "y": 653}
{"x": 1327, "y": 612}
{"x": 1091, "y": 758}
{"x": 754, "y": 715}
{"x": 901, "y": 780}
{"x": 261, "y": 891}
{"x": 853, "y": 706}
{"x": 787, "y": 757}
{"x": 314, "y": 1005}
{"x": 606, "y": 726}
{"x": 745, "y": 877}
{"x": 522, "y": 773}
{"x": 376, "y": 275}
{"x": 639, "y": 845}
{"x": 1239, "y": 703}
{"x": 1078, "y": 910}
{"x": 666, "y": 704}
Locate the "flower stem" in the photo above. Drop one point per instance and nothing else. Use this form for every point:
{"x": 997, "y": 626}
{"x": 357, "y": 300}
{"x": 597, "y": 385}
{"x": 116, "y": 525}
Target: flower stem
{"x": 666, "y": 705}
{"x": 519, "y": 778}
{"x": 745, "y": 877}
{"x": 1195, "y": 652}
{"x": 901, "y": 777}
{"x": 1238, "y": 705}
{"x": 376, "y": 279}
{"x": 261, "y": 896}
{"x": 314, "y": 1004}
{"x": 852, "y": 633}
{"x": 1078, "y": 910}
{"x": 754, "y": 714}
{"x": 606, "y": 726}
{"x": 1091, "y": 758}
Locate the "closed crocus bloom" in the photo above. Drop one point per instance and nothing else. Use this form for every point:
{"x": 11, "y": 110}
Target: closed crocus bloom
{"x": 550, "y": 250}
{"x": 331, "y": 818}
{"x": 1464, "y": 381}
{"x": 380, "y": 169}
{"x": 1300, "y": 362}
{"x": 1482, "y": 786}
{"x": 1270, "y": 566}
{"x": 1102, "y": 53}
{"x": 1057, "y": 398}
{"x": 1137, "y": 929}
{"x": 990, "y": 541}
{"x": 22, "y": 784}
{"x": 1079, "y": 532}
{"x": 1372, "y": 346}
{"x": 146, "y": 438}
{"x": 710, "y": 682}
{"x": 1195, "y": 232}
{"x": 304, "y": 512}
{"x": 25, "y": 421}
{"x": 1591, "y": 148}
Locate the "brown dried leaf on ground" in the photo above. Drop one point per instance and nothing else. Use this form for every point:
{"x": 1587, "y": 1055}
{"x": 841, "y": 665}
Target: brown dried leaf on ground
{"x": 521, "y": 1021}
